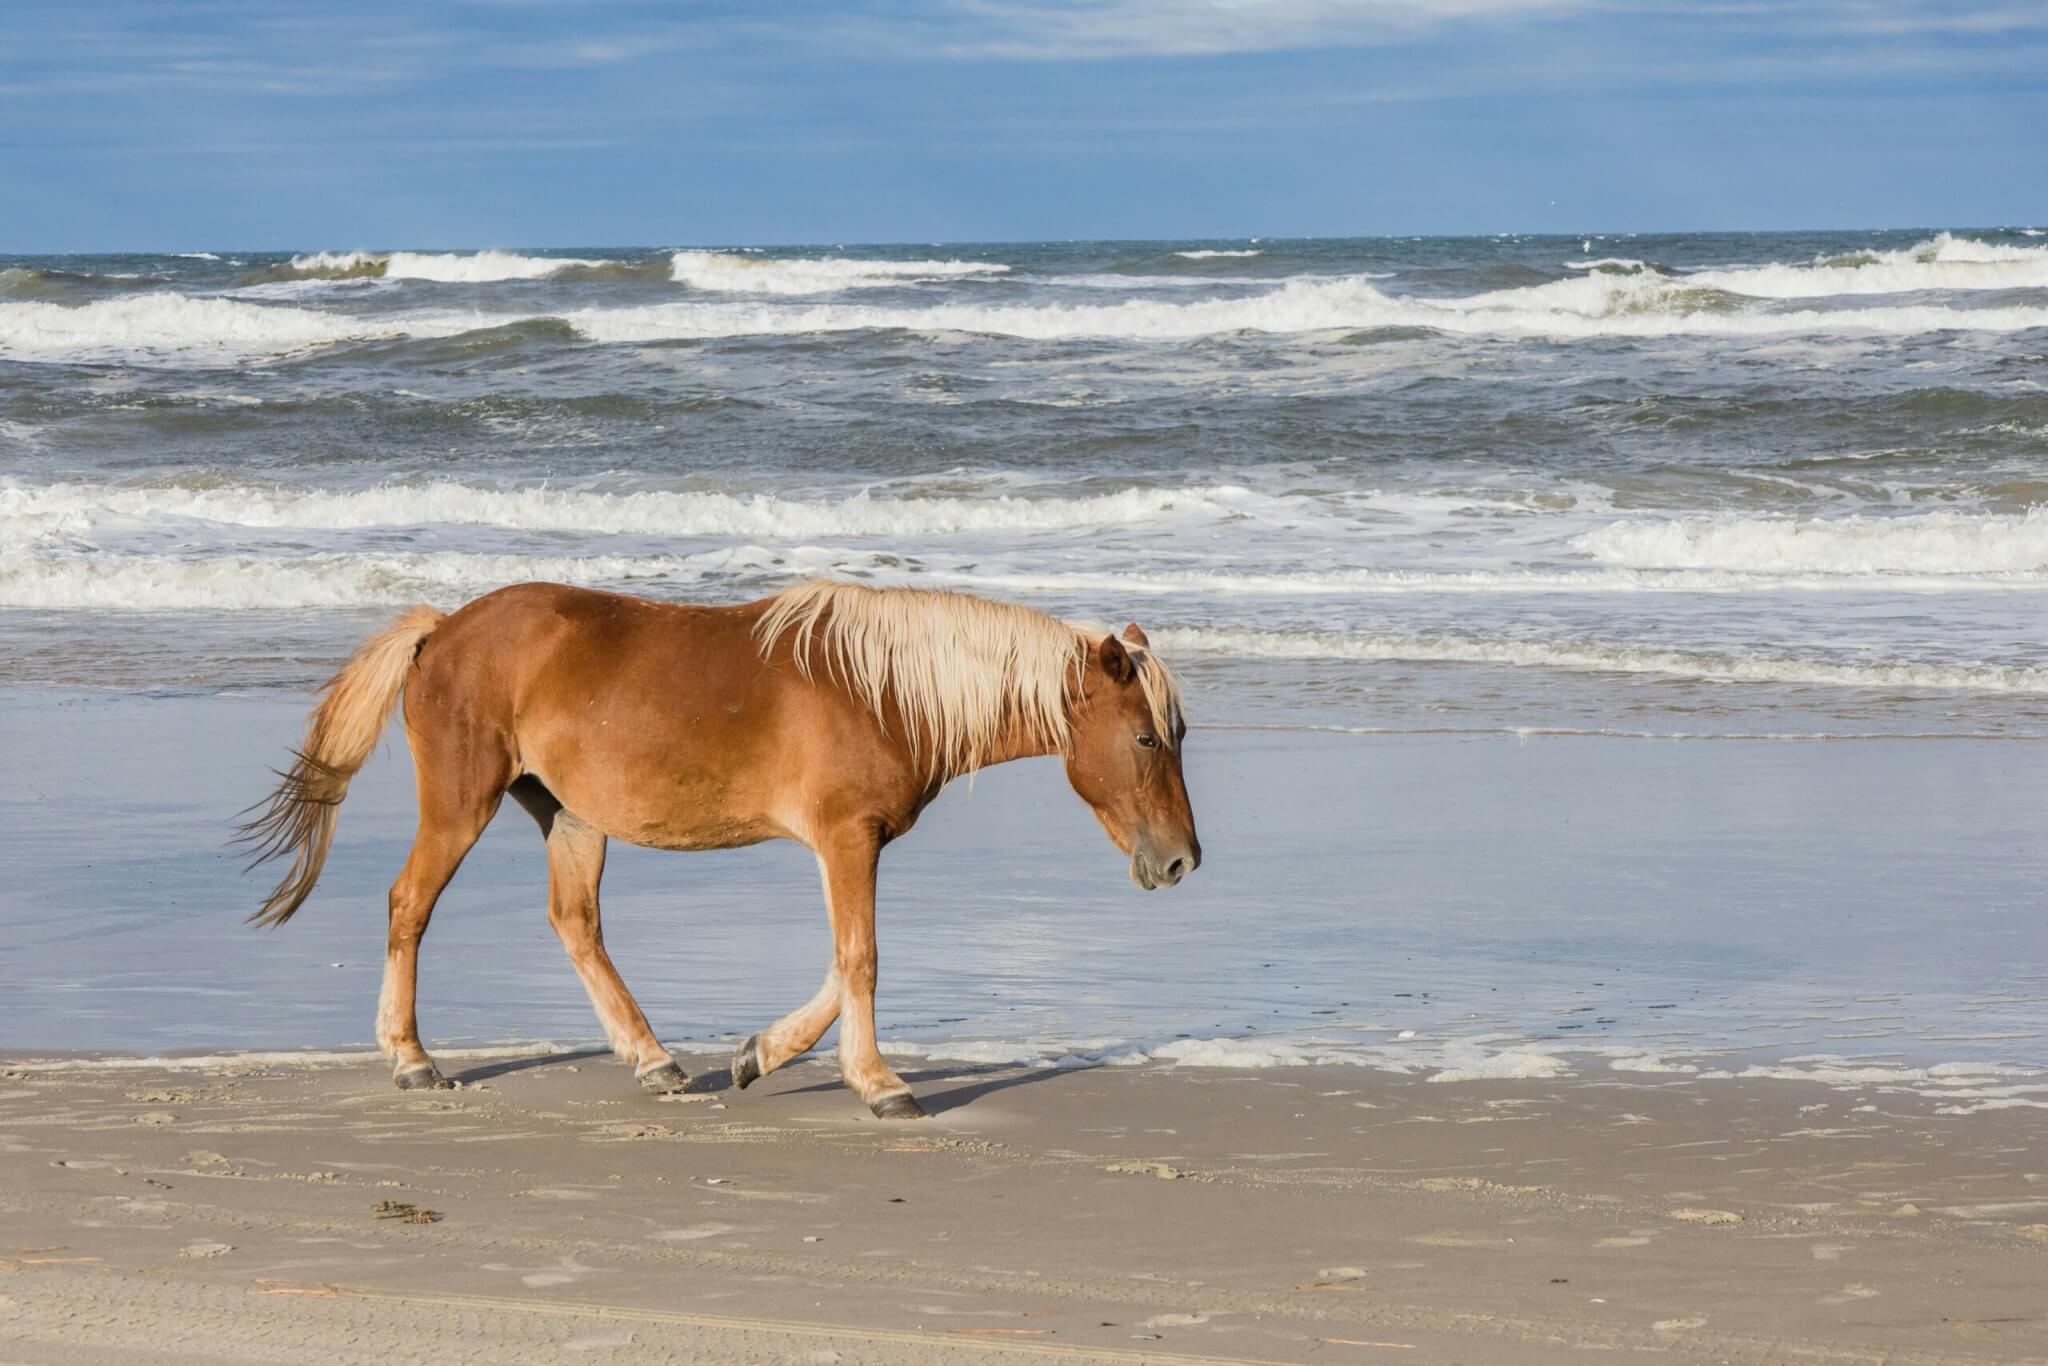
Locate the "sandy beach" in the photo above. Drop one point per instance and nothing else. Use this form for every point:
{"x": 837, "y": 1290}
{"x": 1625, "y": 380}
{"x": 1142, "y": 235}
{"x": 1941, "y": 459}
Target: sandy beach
{"x": 1305, "y": 1214}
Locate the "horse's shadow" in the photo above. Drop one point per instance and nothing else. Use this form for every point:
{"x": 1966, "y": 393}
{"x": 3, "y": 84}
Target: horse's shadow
{"x": 981, "y": 1081}
{"x": 506, "y": 1066}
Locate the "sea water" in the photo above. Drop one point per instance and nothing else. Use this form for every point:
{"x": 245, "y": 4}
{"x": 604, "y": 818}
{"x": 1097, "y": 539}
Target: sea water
{"x": 1776, "y": 486}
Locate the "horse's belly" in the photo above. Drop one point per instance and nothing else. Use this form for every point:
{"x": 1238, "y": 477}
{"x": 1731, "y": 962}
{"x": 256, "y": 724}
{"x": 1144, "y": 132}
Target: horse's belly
{"x": 666, "y": 810}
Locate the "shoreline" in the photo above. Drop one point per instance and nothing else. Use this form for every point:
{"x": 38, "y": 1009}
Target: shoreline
{"x": 1304, "y": 1214}
{"x": 1416, "y": 903}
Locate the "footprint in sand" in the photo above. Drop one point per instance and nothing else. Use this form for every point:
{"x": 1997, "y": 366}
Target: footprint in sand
{"x": 565, "y": 1272}
{"x": 598, "y": 1342}
{"x": 691, "y": 1233}
{"x": 1685, "y": 1325}
{"x": 1849, "y": 1295}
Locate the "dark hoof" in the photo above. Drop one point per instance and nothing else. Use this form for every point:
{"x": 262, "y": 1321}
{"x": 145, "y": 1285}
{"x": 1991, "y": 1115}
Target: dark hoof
{"x": 426, "y": 1078}
{"x": 746, "y": 1062}
{"x": 902, "y": 1105}
{"x": 664, "y": 1079}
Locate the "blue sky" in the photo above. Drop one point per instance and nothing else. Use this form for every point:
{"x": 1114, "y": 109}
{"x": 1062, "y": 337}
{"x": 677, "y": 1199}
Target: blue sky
{"x": 259, "y": 124}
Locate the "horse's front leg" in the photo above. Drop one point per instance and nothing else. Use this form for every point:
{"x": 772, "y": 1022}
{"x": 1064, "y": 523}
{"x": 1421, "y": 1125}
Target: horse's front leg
{"x": 790, "y": 1037}
{"x": 848, "y": 862}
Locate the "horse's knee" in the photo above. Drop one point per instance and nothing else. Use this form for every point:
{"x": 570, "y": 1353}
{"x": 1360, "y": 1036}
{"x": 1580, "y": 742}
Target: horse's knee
{"x": 858, "y": 977}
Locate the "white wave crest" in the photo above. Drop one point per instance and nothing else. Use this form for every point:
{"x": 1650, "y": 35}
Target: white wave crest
{"x": 1398, "y": 582}
{"x": 1925, "y": 543}
{"x": 449, "y": 267}
{"x": 1944, "y": 262}
{"x": 172, "y": 328}
{"x": 727, "y": 273}
{"x": 1601, "y": 658}
{"x": 234, "y": 583}
{"x": 195, "y": 255}
{"x": 1207, "y": 255}
{"x": 1593, "y": 305}
{"x": 176, "y": 325}
{"x": 71, "y": 508}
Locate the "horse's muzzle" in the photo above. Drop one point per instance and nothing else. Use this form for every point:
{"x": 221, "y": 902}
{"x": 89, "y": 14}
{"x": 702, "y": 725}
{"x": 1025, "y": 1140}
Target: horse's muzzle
{"x": 1152, "y": 869}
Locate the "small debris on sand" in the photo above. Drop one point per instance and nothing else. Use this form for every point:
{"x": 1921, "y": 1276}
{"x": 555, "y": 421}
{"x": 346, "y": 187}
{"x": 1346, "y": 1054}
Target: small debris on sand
{"x": 1158, "y": 1169}
{"x": 1713, "y": 1218}
{"x": 405, "y": 1213}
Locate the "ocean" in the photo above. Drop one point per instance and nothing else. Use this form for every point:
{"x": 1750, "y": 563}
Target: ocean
{"x": 1720, "y": 484}
{"x": 1773, "y": 498}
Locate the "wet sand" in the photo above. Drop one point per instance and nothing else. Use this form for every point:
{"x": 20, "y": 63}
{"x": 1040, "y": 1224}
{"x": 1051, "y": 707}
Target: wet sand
{"x": 230, "y": 1212}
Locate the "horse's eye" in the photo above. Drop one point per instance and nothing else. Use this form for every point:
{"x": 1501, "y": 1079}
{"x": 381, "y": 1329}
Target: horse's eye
{"x": 1148, "y": 739}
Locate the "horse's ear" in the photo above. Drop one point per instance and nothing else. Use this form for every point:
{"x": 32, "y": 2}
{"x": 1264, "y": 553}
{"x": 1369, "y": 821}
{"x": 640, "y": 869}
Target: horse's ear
{"x": 1136, "y": 636}
{"x": 1116, "y": 661}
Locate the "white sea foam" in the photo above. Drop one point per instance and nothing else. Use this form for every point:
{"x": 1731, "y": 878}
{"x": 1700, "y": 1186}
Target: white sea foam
{"x": 1208, "y": 255}
{"x": 1923, "y": 543}
{"x": 1603, "y": 658}
{"x": 308, "y": 1057}
{"x": 73, "y": 507}
{"x": 195, "y": 255}
{"x": 160, "y": 583}
{"x": 178, "y": 326}
{"x": 725, "y": 272}
{"x": 170, "y": 328}
{"x": 1944, "y": 262}
{"x": 450, "y": 267}
{"x": 1308, "y": 583}
{"x": 1592, "y": 305}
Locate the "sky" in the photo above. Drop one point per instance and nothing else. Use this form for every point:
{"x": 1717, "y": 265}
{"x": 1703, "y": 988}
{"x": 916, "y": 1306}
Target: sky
{"x": 298, "y": 125}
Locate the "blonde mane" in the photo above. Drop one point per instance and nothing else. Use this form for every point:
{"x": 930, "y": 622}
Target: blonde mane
{"x": 961, "y": 670}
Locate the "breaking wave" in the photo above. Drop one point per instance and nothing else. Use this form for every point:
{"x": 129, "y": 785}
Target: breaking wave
{"x": 1589, "y": 306}
{"x": 232, "y": 583}
{"x": 179, "y": 325}
{"x": 1944, "y": 262}
{"x": 1601, "y": 658}
{"x": 726, "y": 272}
{"x": 1208, "y": 255}
{"x": 72, "y": 508}
{"x": 168, "y": 326}
{"x": 448, "y": 267}
{"x": 1935, "y": 543}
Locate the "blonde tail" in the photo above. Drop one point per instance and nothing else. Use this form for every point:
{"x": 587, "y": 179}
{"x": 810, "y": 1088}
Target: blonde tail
{"x": 298, "y": 819}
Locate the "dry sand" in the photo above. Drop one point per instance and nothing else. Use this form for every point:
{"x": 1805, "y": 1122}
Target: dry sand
{"x": 230, "y": 1213}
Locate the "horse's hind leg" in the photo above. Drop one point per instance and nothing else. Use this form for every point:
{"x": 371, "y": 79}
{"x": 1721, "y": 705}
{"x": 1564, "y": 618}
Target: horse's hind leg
{"x": 453, "y": 812}
{"x": 575, "y": 867}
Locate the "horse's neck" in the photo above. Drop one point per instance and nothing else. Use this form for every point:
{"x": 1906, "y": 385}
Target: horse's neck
{"x": 1018, "y": 740}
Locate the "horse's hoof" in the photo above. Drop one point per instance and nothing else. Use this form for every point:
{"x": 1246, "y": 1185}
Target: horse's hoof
{"x": 664, "y": 1079}
{"x": 426, "y": 1077}
{"x": 901, "y": 1105}
{"x": 746, "y": 1062}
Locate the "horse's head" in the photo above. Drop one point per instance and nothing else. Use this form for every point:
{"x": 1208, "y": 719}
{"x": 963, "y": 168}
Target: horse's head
{"x": 1123, "y": 758}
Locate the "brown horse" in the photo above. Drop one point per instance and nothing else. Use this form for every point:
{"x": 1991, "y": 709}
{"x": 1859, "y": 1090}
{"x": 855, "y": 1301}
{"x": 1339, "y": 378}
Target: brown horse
{"x": 830, "y": 714}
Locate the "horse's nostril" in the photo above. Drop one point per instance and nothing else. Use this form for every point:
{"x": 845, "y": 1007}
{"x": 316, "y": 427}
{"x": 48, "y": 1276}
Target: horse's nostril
{"x": 1177, "y": 869}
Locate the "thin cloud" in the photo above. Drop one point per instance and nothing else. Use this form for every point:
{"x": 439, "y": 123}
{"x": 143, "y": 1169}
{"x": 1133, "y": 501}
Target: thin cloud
{"x": 1100, "y": 29}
